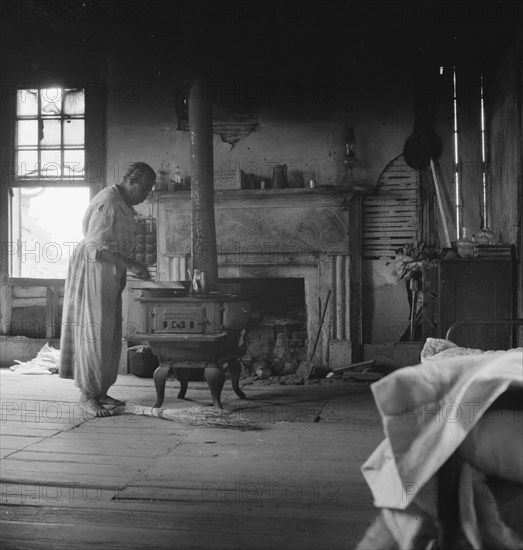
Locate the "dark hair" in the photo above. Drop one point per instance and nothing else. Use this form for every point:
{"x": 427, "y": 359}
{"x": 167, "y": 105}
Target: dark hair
{"x": 140, "y": 169}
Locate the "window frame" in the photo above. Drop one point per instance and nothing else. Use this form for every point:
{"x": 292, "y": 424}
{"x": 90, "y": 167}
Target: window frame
{"x": 91, "y": 80}
{"x": 45, "y": 121}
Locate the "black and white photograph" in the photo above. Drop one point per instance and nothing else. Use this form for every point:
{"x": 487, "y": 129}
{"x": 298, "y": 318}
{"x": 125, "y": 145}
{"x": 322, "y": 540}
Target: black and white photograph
{"x": 261, "y": 274}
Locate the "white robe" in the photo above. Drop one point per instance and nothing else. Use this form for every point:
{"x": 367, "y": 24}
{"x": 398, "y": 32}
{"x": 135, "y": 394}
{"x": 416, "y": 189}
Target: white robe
{"x": 91, "y": 336}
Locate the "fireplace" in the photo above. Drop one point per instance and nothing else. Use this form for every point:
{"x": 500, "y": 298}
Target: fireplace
{"x": 276, "y": 338}
{"x": 305, "y": 235}
{"x": 263, "y": 235}
{"x": 287, "y": 234}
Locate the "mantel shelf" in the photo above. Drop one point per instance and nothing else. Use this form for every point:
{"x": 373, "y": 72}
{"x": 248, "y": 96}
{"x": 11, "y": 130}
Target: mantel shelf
{"x": 268, "y": 193}
{"x": 176, "y": 337}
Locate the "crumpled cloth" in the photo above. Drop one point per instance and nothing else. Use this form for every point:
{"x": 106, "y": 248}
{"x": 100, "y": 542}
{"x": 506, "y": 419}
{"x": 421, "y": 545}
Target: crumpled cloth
{"x": 480, "y": 518}
{"x": 416, "y": 528}
{"x": 45, "y": 362}
{"x": 427, "y": 412}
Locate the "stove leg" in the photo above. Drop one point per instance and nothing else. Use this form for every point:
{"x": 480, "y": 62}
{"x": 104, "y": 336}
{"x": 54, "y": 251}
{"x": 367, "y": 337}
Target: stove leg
{"x": 235, "y": 369}
{"x": 183, "y": 376}
{"x": 215, "y": 378}
{"x": 160, "y": 378}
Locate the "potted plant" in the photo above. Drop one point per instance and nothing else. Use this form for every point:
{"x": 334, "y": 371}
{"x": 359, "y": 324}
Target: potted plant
{"x": 410, "y": 259}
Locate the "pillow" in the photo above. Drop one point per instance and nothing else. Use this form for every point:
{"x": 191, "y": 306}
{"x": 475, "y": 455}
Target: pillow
{"x": 435, "y": 345}
{"x": 455, "y": 352}
{"x": 438, "y": 348}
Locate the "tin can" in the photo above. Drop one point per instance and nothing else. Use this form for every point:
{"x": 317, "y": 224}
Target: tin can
{"x": 203, "y": 282}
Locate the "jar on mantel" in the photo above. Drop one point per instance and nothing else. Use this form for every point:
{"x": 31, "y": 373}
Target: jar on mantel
{"x": 485, "y": 237}
{"x": 162, "y": 178}
{"x": 465, "y": 245}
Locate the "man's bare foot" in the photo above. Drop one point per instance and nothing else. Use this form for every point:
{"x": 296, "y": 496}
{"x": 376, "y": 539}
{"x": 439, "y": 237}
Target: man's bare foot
{"x": 94, "y": 408}
{"x": 108, "y": 400}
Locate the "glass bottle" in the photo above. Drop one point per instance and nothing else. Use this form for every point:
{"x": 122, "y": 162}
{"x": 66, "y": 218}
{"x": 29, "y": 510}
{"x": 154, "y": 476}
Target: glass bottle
{"x": 465, "y": 245}
{"x": 177, "y": 176}
{"x": 162, "y": 178}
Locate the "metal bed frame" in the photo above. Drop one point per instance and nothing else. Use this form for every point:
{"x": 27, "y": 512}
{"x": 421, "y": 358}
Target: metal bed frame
{"x": 448, "y": 475}
{"x": 514, "y": 323}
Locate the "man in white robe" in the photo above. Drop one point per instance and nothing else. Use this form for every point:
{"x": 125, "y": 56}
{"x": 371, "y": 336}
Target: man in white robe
{"x": 91, "y": 336}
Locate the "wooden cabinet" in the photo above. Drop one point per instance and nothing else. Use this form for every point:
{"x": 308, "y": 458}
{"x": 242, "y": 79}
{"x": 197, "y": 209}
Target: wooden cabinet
{"x": 455, "y": 290}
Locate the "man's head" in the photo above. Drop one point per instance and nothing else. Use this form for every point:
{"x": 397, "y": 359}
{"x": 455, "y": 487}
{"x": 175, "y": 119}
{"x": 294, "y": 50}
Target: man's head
{"x": 138, "y": 182}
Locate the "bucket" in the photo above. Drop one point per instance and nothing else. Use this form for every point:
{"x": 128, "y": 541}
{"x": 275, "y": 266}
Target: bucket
{"x": 142, "y": 361}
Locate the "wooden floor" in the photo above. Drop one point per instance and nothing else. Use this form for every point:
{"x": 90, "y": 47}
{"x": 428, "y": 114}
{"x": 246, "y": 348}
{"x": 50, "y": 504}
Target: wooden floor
{"x": 132, "y": 482}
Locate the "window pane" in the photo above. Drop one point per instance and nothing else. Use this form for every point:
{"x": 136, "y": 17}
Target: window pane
{"x": 52, "y": 133}
{"x": 51, "y": 101}
{"x": 27, "y": 163}
{"x": 74, "y": 162}
{"x": 49, "y": 122}
{"x": 74, "y": 102}
{"x": 27, "y": 102}
{"x": 27, "y": 132}
{"x": 74, "y": 132}
{"x": 51, "y": 163}
{"x": 45, "y": 233}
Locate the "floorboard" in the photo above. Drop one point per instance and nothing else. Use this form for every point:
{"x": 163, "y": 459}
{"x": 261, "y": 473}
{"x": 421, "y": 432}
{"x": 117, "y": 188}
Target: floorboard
{"x": 133, "y": 482}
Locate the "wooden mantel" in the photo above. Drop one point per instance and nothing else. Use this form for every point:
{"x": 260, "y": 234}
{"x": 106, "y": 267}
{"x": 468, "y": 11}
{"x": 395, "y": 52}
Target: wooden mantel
{"x": 261, "y": 194}
{"x": 294, "y": 221}
{"x": 295, "y": 232}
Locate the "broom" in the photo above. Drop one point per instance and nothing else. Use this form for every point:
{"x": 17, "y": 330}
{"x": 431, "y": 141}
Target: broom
{"x": 207, "y": 417}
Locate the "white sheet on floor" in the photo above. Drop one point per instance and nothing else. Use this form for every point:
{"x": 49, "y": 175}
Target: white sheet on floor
{"x": 45, "y": 362}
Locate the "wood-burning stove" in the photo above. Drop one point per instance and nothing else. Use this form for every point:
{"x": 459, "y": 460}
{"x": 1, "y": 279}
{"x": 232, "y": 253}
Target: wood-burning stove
{"x": 194, "y": 332}
{"x": 200, "y": 331}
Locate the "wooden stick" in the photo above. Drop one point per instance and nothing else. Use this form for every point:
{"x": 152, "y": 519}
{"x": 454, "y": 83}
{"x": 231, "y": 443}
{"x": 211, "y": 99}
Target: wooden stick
{"x": 440, "y": 204}
{"x": 413, "y": 297}
{"x": 321, "y": 324}
{"x": 360, "y": 365}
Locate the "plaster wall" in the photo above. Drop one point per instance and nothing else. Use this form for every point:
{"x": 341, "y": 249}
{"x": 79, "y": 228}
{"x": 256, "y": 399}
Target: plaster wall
{"x": 302, "y": 125}
{"x": 385, "y": 303}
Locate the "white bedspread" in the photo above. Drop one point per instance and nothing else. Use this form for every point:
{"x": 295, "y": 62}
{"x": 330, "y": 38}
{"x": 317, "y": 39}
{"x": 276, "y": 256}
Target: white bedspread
{"x": 427, "y": 411}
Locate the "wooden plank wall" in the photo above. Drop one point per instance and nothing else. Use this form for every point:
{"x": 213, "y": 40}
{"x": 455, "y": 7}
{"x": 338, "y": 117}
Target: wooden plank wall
{"x": 27, "y": 294}
{"x": 391, "y": 216}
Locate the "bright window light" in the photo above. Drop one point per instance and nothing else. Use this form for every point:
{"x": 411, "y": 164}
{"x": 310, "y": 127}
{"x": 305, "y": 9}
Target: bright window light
{"x": 46, "y": 225}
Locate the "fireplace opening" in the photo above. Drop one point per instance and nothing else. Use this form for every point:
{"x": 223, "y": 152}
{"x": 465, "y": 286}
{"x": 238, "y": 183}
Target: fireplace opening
{"x": 276, "y": 336}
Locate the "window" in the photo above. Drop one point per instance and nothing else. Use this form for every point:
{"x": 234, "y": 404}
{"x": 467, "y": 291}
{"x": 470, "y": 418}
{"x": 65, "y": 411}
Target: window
{"x": 486, "y": 199}
{"x": 50, "y": 188}
{"x": 45, "y": 226}
{"x": 457, "y": 182}
{"x": 50, "y": 135}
